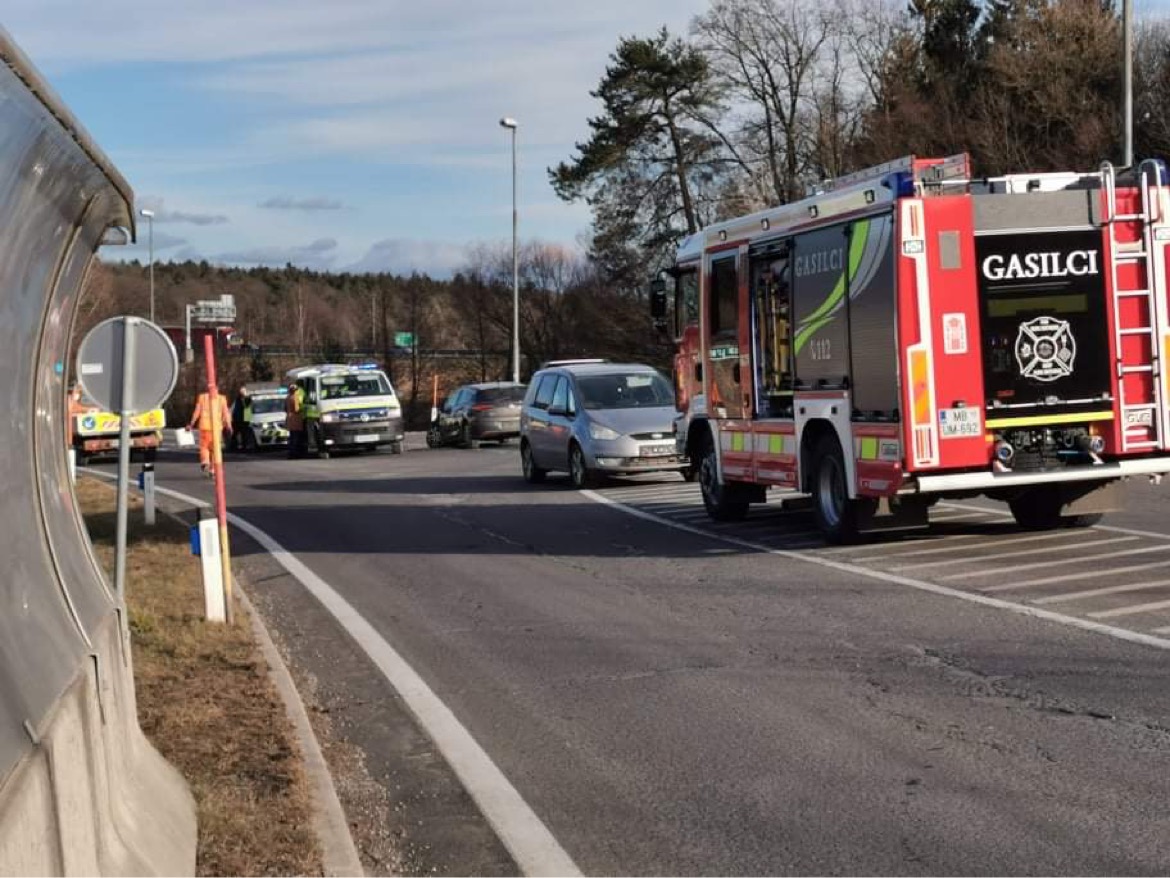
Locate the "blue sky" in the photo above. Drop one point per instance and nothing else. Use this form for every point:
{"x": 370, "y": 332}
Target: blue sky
{"x": 346, "y": 134}
{"x": 338, "y": 134}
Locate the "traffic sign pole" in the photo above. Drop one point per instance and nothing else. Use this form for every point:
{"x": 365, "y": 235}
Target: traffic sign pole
{"x": 126, "y": 365}
{"x": 125, "y": 412}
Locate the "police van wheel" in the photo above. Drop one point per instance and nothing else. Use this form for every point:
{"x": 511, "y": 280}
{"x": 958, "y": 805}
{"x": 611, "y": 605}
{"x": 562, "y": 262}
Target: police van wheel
{"x": 723, "y": 501}
{"x": 835, "y": 514}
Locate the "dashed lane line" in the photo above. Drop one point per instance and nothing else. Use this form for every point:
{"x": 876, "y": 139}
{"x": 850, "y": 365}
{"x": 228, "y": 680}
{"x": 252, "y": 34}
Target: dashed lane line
{"x": 897, "y": 579}
{"x": 1100, "y": 592}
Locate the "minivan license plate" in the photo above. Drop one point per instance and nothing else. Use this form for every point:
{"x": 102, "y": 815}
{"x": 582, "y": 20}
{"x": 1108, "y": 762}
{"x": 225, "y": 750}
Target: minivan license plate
{"x": 656, "y": 450}
{"x": 366, "y": 437}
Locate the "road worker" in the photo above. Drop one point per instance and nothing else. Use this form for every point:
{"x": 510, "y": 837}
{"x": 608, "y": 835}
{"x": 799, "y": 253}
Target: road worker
{"x": 242, "y": 421}
{"x": 201, "y": 417}
{"x": 294, "y": 421}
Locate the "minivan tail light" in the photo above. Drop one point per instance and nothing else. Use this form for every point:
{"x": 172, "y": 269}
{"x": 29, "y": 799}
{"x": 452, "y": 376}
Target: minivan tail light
{"x": 482, "y": 407}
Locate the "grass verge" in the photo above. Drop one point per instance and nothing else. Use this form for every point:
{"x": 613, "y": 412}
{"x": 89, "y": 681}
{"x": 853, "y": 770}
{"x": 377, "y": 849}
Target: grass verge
{"x": 206, "y": 702}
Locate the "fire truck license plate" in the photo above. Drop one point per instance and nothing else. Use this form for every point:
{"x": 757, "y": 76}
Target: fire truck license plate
{"x": 655, "y": 450}
{"x": 954, "y": 423}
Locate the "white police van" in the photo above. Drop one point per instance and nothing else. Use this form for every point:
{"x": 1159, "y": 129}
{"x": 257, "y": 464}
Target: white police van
{"x": 349, "y": 407}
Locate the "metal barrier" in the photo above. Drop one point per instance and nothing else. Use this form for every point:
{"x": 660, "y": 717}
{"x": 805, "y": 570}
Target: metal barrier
{"x": 68, "y": 728}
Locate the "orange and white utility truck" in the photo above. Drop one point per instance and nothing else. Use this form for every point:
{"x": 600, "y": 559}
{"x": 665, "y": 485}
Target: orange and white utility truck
{"x": 94, "y": 432}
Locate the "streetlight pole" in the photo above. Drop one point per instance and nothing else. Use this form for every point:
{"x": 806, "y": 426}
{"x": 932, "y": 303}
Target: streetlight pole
{"x": 149, "y": 214}
{"x": 510, "y": 123}
{"x": 1127, "y": 48}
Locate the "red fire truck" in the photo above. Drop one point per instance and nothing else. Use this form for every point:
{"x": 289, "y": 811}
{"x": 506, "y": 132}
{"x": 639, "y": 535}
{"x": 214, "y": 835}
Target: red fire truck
{"x": 910, "y": 333}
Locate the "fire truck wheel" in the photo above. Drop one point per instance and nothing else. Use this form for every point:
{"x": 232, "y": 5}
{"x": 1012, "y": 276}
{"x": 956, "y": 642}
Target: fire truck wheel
{"x": 722, "y": 501}
{"x": 834, "y": 512}
{"x": 532, "y": 473}
{"x": 579, "y": 472}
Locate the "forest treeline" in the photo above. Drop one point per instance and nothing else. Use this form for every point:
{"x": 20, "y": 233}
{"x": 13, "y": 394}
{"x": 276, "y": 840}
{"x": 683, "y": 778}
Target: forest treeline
{"x": 755, "y": 102}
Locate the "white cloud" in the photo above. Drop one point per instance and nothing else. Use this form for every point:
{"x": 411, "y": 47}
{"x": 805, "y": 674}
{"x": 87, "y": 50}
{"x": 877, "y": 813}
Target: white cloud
{"x": 73, "y": 34}
{"x": 284, "y": 202}
{"x": 162, "y": 241}
{"x": 318, "y": 254}
{"x": 162, "y": 215}
{"x": 404, "y": 256}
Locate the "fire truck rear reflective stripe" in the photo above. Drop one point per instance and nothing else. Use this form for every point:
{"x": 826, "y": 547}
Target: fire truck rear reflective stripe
{"x": 1042, "y": 420}
{"x": 1166, "y": 383}
{"x": 729, "y": 441}
{"x": 920, "y": 386}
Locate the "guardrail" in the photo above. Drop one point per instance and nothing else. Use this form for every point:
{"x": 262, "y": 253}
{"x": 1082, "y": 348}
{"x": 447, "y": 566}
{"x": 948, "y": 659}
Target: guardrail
{"x": 81, "y": 790}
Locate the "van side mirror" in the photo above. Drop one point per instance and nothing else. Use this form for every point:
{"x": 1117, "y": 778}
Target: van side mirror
{"x": 658, "y": 298}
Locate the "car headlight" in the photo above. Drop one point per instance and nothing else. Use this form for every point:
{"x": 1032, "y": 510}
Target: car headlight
{"x": 600, "y": 431}
{"x": 329, "y": 418}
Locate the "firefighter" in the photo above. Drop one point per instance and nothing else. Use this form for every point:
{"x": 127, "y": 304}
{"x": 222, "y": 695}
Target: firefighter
{"x": 242, "y": 421}
{"x": 294, "y": 421}
{"x": 201, "y": 417}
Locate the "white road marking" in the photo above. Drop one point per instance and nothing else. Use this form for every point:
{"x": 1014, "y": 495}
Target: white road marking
{"x": 1071, "y": 577}
{"x": 523, "y": 833}
{"x": 869, "y": 573}
{"x": 1153, "y": 534}
{"x": 999, "y": 556}
{"x": 946, "y": 515}
{"x": 966, "y": 547}
{"x": 1080, "y": 559}
{"x": 1097, "y": 592}
{"x": 1130, "y": 611}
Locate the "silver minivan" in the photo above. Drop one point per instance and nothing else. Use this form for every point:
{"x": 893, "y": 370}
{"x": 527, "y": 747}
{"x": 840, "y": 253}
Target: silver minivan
{"x": 592, "y": 419}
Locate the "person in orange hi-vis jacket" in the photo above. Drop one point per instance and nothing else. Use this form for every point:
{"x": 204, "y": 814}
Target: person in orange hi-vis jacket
{"x": 202, "y": 417}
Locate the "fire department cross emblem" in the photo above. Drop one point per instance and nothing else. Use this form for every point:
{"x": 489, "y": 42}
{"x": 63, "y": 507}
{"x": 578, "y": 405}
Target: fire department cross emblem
{"x": 1045, "y": 349}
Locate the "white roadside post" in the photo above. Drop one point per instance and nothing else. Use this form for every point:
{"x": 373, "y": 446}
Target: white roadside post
{"x": 146, "y": 485}
{"x": 208, "y": 551}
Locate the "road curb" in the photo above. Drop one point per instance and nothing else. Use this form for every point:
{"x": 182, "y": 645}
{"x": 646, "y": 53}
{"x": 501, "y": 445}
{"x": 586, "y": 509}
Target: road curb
{"x": 339, "y": 854}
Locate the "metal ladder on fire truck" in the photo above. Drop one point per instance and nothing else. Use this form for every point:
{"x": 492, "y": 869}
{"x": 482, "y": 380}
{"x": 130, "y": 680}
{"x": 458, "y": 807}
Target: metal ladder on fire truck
{"x": 1138, "y": 313}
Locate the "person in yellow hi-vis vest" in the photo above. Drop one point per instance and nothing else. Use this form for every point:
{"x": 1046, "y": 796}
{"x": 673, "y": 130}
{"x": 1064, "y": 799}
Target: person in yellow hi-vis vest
{"x": 201, "y": 417}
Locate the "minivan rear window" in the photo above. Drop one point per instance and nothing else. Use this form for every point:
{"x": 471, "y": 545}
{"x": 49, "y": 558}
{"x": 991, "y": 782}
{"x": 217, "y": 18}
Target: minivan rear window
{"x": 501, "y": 394}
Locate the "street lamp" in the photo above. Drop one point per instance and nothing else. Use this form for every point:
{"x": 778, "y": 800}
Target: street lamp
{"x": 149, "y": 214}
{"x": 508, "y": 122}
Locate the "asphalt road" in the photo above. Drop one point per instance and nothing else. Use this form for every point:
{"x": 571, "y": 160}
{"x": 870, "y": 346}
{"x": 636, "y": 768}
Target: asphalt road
{"x": 718, "y": 699}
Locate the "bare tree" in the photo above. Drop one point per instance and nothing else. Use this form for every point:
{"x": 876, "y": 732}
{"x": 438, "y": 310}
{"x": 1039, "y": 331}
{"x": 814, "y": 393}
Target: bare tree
{"x": 767, "y": 53}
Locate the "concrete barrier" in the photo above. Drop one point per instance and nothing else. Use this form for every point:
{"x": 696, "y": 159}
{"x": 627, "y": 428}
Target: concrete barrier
{"x": 81, "y": 790}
